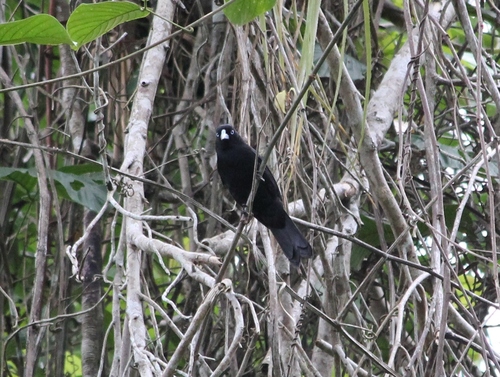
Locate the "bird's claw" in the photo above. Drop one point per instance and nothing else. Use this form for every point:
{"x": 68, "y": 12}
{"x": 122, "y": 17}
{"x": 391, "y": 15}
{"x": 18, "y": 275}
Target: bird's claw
{"x": 245, "y": 216}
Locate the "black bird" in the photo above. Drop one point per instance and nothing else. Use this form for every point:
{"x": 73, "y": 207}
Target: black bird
{"x": 235, "y": 164}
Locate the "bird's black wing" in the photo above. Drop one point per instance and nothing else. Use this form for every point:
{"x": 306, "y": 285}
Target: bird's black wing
{"x": 235, "y": 167}
{"x": 269, "y": 182}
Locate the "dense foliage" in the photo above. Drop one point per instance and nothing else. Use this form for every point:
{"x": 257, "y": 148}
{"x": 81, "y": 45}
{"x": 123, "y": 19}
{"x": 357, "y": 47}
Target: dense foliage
{"x": 115, "y": 224}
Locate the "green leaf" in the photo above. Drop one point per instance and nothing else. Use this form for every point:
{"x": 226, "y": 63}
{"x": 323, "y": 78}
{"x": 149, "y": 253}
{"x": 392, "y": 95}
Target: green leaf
{"x": 72, "y": 364}
{"x": 90, "y": 21}
{"x": 243, "y": 11}
{"x": 41, "y": 29}
{"x": 491, "y": 109}
{"x": 368, "y": 233}
{"x": 82, "y": 169}
{"x": 85, "y": 189}
{"x": 23, "y": 177}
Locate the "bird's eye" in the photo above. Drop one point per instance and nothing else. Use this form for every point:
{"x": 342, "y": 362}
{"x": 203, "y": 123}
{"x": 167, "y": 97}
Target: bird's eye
{"x": 216, "y": 134}
{"x": 232, "y": 132}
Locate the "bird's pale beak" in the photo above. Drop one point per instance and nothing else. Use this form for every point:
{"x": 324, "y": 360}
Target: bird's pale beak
{"x": 224, "y": 135}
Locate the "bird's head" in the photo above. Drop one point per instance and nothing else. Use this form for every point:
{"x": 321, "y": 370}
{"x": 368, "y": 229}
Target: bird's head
{"x": 226, "y": 135}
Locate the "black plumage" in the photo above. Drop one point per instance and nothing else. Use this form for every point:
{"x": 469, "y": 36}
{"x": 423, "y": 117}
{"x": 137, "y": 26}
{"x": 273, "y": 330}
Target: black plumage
{"x": 235, "y": 164}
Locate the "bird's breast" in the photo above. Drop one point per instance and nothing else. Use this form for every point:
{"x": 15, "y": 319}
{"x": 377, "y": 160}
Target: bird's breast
{"x": 236, "y": 174}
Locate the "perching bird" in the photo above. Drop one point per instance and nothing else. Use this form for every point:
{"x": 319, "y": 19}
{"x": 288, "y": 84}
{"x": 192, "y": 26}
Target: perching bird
{"x": 235, "y": 164}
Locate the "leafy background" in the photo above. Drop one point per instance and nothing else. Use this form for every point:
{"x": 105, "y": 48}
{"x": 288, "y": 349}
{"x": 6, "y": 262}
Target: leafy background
{"x": 248, "y": 72}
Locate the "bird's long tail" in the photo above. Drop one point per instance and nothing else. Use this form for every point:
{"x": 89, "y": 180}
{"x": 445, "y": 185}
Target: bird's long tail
{"x": 293, "y": 243}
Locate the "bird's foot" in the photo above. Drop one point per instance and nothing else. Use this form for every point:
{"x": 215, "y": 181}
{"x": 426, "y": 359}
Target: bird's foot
{"x": 245, "y": 216}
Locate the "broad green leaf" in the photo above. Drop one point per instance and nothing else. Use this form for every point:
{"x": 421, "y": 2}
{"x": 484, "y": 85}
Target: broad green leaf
{"x": 24, "y": 178}
{"x": 418, "y": 142}
{"x": 41, "y": 29}
{"x": 86, "y": 189}
{"x": 456, "y": 34}
{"x": 243, "y": 11}
{"x": 82, "y": 169}
{"x": 491, "y": 109}
{"x": 83, "y": 189}
{"x": 72, "y": 364}
{"x": 469, "y": 60}
{"x": 450, "y": 157}
{"x": 368, "y": 233}
{"x": 356, "y": 69}
{"x": 90, "y": 21}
